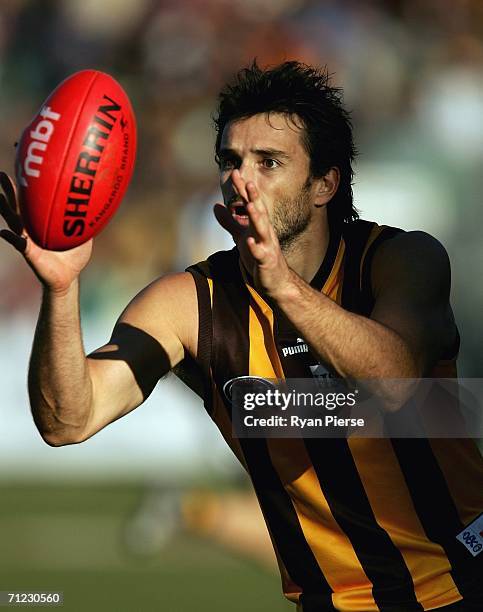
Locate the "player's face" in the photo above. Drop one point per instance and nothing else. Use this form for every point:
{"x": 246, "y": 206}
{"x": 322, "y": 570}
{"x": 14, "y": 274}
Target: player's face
{"x": 268, "y": 151}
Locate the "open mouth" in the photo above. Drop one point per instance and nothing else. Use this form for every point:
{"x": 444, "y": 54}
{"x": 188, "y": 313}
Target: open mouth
{"x": 239, "y": 212}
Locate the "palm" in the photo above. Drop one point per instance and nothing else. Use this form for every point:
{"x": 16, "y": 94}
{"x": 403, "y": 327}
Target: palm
{"x": 57, "y": 269}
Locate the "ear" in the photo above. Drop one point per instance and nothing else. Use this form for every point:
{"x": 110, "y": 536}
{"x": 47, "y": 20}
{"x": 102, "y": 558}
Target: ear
{"x": 326, "y": 186}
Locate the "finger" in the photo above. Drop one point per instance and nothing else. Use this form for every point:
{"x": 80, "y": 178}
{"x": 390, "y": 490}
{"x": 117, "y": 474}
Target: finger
{"x": 259, "y": 220}
{"x": 18, "y": 242}
{"x": 257, "y": 250}
{"x": 239, "y": 184}
{"x": 253, "y": 194}
{"x": 254, "y": 219}
{"x": 13, "y": 220}
{"x": 10, "y": 190}
{"x": 225, "y": 219}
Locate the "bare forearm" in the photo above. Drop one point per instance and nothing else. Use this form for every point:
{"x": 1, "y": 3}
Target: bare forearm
{"x": 355, "y": 346}
{"x": 59, "y": 384}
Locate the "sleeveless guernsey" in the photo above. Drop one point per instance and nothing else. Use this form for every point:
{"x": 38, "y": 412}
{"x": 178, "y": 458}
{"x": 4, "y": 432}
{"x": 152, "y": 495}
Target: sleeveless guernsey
{"x": 357, "y": 524}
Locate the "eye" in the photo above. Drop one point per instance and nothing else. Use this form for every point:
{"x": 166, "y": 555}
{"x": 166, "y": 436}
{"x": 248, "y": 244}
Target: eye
{"x": 270, "y": 163}
{"x": 226, "y": 164}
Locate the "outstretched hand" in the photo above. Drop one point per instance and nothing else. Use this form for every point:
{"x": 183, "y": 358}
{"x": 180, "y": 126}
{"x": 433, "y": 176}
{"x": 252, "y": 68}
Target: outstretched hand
{"x": 257, "y": 242}
{"x": 56, "y": 270}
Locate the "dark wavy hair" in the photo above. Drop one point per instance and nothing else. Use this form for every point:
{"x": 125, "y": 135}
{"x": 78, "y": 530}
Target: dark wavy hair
{"x": 303, "y": 92}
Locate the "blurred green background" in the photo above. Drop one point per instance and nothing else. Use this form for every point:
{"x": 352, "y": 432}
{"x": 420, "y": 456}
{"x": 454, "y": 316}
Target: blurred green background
{"x": 412, "y": 72}
{"x": 67, "y": 538}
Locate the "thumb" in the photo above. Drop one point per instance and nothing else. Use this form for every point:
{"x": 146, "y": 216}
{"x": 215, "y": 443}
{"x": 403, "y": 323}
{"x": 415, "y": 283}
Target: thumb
{"x": 224, "y": 218}
{"x": 18, "y": 242}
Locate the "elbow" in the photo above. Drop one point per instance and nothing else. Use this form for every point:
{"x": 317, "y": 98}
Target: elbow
{"x": 57, "y": 440}
{"x": 393, "y": 394}
{"x": 62, "y": 437}
{"x": 54, "y": 430}
{"x": 397, "y": 384}
{"x": 53, "y": 441}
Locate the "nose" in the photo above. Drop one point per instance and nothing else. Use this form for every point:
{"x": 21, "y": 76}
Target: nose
{"x": 230, "y": 191}
{"x": 238, "y": 187}
{"x": 246, "y": 171}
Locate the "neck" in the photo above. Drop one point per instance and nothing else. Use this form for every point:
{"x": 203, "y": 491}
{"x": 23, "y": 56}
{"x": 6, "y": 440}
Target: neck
{"x": 307, "y": 252}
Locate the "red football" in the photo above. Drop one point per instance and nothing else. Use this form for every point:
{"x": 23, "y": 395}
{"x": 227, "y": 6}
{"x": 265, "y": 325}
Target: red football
{"x": 75, "y": 160}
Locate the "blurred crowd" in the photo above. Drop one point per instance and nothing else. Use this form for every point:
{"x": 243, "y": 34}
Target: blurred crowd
{"x": 412, "y": 72}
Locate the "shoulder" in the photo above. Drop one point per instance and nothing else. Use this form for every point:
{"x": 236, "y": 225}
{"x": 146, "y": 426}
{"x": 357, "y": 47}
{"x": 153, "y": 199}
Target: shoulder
{"x": 219, "y": 265}
{"x": 166, "y": 307}
{"x": 411, "y": 245}
{"x": 411, "y": 283}
{"x": 416, "y": 258}
{"x": 165, "y": 290}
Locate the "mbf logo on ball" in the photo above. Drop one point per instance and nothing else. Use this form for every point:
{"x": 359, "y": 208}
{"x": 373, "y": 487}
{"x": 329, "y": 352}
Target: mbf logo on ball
{"x": 40, "y": 139}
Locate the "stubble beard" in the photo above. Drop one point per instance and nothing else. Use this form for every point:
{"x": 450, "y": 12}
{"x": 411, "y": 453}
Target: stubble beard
{"x": 291, "y": 217}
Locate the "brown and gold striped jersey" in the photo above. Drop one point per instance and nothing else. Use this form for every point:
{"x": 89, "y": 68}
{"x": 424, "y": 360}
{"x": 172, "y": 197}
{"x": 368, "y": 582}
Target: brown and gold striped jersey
{"x": 357, "y": 524}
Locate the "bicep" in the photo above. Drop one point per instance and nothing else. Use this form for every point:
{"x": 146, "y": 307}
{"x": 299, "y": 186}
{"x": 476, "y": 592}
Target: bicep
{"x": 123, "y": 373}
{"x": 148, "y": 340}
{"x": 411, "y": 283}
